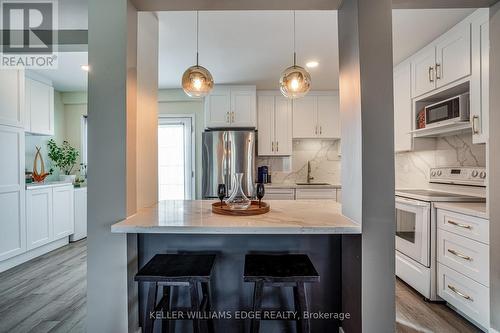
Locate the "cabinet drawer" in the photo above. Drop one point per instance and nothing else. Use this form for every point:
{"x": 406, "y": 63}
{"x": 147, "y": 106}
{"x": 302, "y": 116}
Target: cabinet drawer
{"x": 465, "y": 225}
{"x": 280, "y": 194}
{"x": 468, "y": 296}
{"x": 307, "y": 193}
{"x": 464, "y": 255}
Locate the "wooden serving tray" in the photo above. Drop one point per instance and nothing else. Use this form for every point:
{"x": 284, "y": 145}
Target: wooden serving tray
{"x": 254, "y": 209}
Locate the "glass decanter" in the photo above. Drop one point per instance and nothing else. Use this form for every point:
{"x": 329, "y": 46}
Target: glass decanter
{"x": 237, "y": 199}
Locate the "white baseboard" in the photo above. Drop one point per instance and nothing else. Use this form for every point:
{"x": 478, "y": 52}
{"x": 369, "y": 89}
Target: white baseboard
{"x": 22, "y": 258}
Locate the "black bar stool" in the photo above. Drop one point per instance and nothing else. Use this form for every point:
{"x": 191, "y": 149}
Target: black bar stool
{"x": 282, "y": 270}
{"x": 171, "y": 270}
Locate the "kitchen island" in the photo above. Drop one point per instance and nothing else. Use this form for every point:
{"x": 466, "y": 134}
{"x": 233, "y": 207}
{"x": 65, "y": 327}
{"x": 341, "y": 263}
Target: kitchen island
{"x": 313, "y": 227}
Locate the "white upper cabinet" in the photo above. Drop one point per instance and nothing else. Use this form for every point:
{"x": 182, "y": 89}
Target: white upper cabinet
{"x": 231, "y": 106}
{"x": 305, "y": 117}
{"x": 402, "y": 107}
{"x": 316, "y": 116}
{"x": 445, "y": 60}
{"x": 39, "y": 108}
{"x": 274, "y": 124}
{"x": 328, "y": 117}
{"x": 423, "y": 72}
{"x": 453, "y": 56}
{"x": 479, "y": 85}
{"x": 63, "y": 211}
{"x": 12, "y": 97}
{"x": 12, "y": 197}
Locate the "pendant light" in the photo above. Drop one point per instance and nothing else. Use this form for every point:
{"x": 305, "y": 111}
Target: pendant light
{"x": 295, "y": 81}
{"x": 197, "y": 80}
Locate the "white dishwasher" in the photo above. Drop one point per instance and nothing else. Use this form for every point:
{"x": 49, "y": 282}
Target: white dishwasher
{"x": 80, "y": 214}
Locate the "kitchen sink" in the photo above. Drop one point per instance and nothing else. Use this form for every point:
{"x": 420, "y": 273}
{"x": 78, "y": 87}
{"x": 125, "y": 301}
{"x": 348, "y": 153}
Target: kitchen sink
{"x": 312, "y": 184}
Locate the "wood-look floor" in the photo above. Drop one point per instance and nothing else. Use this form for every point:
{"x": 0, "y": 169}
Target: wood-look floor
{"x": 47, "y": 294}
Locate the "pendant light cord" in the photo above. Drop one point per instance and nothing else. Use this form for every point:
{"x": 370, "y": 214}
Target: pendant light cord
{"x": 197, "y": 33}
{"x": 294, "y": 50}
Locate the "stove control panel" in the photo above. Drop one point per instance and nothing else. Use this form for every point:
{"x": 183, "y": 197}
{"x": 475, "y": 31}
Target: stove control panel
{"x": 475, "y": 176}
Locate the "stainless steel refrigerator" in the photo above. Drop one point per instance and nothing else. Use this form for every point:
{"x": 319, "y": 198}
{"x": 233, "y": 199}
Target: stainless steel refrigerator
{"x": 225, "y": 153}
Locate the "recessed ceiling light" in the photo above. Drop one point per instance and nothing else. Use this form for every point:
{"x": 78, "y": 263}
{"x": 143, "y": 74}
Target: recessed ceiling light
{"x": 312, "y": 64}
{"x": 85, "y": 68}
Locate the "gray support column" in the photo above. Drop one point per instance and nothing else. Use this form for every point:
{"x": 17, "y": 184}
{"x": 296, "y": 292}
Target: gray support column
{"x": 494, "y": 166}
{"x": 366, "y": 107}
{"x": 109, "y": 59}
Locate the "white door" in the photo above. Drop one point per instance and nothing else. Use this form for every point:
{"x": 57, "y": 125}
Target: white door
{"x": 39, "y": 217}
{"x": 305, "y": 117}
{"x": 218, "y": 108}
{"x": 243, "y": 107}
{"x": 265, "y": 119}
{"x": 423, "y": 71}
{"x": 413, "y": 229}
{"x": 283, "y": 126}
{"x": 328, "y": 117}
{"x": 41, "y": 108}
{"x": 402, "y": 107}
{"x": 12, "y": 197}
{"x": 479, "y": 85}
{"x": 453, "y": 57}
{"x": 175, "y": 159}
{"x": 12, "y": 97}
{"x": 63, "y": 211}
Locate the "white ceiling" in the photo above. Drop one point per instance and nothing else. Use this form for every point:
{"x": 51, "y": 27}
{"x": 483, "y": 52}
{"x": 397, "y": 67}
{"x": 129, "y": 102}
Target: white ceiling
{"x": 254, "y": 47}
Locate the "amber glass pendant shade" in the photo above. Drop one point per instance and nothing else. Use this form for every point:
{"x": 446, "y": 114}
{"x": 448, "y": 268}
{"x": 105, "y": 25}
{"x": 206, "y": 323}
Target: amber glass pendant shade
{"x": 197, "y": 81}
{"x": 295, "y": 82}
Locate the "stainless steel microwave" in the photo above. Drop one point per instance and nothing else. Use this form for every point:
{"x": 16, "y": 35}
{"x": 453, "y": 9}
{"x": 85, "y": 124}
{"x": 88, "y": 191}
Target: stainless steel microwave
{"x": 451, "y": 110}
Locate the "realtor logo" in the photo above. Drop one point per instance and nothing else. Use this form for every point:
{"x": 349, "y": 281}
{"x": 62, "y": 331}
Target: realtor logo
{"x": 29, "y": 33}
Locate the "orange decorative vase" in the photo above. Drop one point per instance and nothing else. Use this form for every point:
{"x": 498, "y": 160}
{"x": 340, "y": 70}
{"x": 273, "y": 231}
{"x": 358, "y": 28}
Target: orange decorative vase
{"x": 39, "y": 176}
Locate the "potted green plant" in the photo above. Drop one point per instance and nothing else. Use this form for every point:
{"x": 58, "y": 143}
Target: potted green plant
{"x": 63, "y": 157}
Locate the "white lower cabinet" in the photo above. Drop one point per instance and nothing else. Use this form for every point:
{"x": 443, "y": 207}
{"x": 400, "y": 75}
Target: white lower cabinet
{"x": 280, "y": 194}
{"x": 63, "y": 211}
{"x": 49, "y": 213}
{"x": 463, "y": 264}
{"x": 38, "y": 217}
{"x": 313, "y": 193}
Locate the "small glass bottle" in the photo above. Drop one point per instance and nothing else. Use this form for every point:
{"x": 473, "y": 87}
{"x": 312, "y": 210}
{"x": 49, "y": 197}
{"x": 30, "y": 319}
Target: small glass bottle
{"x": 237, "y": 199}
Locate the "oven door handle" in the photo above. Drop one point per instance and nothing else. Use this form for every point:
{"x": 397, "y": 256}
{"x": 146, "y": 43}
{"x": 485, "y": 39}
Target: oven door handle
{"x": 412, "y": 202}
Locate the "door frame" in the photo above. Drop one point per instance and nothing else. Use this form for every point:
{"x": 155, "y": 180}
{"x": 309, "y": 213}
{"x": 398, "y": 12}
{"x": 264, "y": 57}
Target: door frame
{"x": 192, "y": 118}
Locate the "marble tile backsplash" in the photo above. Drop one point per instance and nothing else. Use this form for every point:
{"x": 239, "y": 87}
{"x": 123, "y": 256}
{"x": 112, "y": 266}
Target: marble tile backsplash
{"x": 323, "y": 155}
{"x": 412, "y": 168}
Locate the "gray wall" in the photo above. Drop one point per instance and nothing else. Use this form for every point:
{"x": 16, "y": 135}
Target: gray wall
{"x": 366, "y": 107}
{"x": 494, "y": 166}
{"x": 107, "y": 253}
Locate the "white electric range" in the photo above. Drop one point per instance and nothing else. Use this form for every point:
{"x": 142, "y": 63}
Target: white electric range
{"x": 416, "y": 226}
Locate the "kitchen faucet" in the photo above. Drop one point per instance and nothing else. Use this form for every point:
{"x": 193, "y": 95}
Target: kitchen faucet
{"x": 309, "y": 177}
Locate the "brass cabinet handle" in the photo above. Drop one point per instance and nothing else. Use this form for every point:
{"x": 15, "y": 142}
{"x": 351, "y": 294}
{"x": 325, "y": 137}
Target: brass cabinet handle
{"x": 460, "y": 255}
{"x": 431, "y": 74}
{"x": 232, "y": 117}
{"x": 456, "y": 291}
{"x": 316, "y": 130}
{"x": 465, "y": 226}
{"x": 475, "y": 119}
{"x": 228, "y": 120}
{"x": 272, "y": 146}
{"x": 277, "y": 147}
{"x": 438, "y": 71}
{"x": 320, "y": 129}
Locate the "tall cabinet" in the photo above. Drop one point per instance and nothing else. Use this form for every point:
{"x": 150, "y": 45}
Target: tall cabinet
{"x": 12, "y": 192}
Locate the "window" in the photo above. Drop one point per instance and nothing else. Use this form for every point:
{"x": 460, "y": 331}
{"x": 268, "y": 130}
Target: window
{"x": 175, "y": 172}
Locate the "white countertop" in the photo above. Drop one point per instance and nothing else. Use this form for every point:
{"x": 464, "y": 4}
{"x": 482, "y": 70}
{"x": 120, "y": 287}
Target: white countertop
{"x": 286, "y": 185}
{"x": 196, "y": 217}
{"x": 477, "y": 209}
{"x": 31, "y": 186}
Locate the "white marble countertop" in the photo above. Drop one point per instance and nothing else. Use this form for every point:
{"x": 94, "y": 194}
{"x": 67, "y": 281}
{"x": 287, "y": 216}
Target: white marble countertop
{"x": 196, "y": 217}
{"x": 301, "y": 186}
{"x": 31, "y": 186}
{"x": 477, "y": 209}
